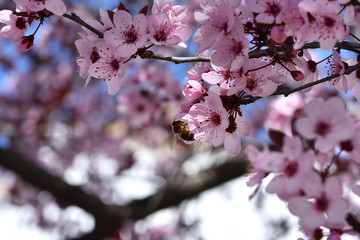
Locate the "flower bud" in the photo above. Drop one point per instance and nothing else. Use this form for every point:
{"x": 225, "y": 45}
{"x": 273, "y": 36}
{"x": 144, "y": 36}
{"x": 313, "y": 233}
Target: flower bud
{"x": 297, "y": 75}
{"x": 26, "y": 43}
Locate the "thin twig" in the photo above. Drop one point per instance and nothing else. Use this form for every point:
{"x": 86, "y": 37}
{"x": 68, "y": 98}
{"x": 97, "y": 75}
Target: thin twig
{"x": 290, "y": 91}
{"x": 351, "y": 46}
{"x": 354, "y": 36}
{"x": 178, "y": 60}
{"x": 325, "y": 79}
{"x": 77, "y": 19}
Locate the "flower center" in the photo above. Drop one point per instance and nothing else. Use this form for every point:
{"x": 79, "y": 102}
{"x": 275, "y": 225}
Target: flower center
{"x": 347, "y": 145}
{"x": 322, "y": 128}
{"x": 291, "y": 169}
{"x": 114, "y": 65}
{"x": 215, "y": 119}
{"x": 20, "y": 23}
{"x": 322, "y": 204}
{"x": 94, "y": 56}
{"x": 131, "y": 36}
{"x": 251, "y": 84}
{"x": 164, "y": 31}
{"x": 329, "y": 22}
{"x": 273, "y": 9}
{"x": 311, "y": 66}
{"x": 310, "y": 17}
{"x": 237, "y": 47}
{"x": 318, "y": 234}
{"x": 232, "y": 125}
{"x": 219, "y": 21}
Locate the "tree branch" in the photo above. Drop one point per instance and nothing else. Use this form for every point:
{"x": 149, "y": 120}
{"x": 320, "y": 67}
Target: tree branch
{"x": 189, "y": 187}
{"x": 77, "y": 19}
{"x": 351, "y": 46}
{"x": 61, "y": 190}
{"x": 109, "y": 218}
{"x": 178, "y": 60}
{"x": 287, "y": 92}
{"x": 325, "y": 79}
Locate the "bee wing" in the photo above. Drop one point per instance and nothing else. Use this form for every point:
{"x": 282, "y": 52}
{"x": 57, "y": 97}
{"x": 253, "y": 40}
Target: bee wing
{"x": 174, "y": 140}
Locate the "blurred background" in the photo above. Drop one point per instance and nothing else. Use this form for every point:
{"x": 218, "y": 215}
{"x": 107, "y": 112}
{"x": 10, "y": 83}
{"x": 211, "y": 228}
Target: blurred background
{"x": 103, "y": 167}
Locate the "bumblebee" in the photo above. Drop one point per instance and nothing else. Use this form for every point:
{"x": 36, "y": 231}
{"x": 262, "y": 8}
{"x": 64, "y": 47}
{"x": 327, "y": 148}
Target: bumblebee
{"x": 182, "y": 131}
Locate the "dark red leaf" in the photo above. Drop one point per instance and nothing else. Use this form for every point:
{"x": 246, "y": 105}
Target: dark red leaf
{"x": 277, "y": 137}
{"x": 122, "y": 7}
{"x": 297, "y": 75}
{"x": 144, "y": 10}
{"x": 111, "y": 15}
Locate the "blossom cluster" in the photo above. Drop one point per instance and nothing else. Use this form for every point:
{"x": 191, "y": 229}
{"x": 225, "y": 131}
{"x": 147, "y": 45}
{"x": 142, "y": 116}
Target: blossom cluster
{"x": 231, "y": 31}
{"x": 309, "y": 170}
{"x": 27, "y": 11}
{"x": 125, "y": 37}
{"x": 247, "y": 50}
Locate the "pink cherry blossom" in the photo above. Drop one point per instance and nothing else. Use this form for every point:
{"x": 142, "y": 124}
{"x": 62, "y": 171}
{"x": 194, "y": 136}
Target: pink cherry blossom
{"x": 15, "y": 27}
{"x": 225, "y": 78}
{"x": 210, "y": 121}
{"x": 164, "y": 31}
{"x": 109, "y": 66}
{"x": 307, "y": 67}
{"x": 264, "y": 81}
{"x": 343, "y": 82}
{"x": 235, "y": 44}
{"x": 351, "y": 15}
{"x": 236, "y": 129}
{"x": 104, "y": 24}
{"x": 353, "y": 20}
{"x": 88, "y": 56}
{"x": 139, "y": 107}
{"x": 357, "y": 92}
{"x": 267, "y": 10}
{"x": 356, "y": 189}
{"x": 293, "y": 18}
{"x": 215, "y": 24}
{"x": 296, "y": 164}
{"x": 195, "y": 73}
{"x": 322, "y": 23}
{"x": 352, "y": 145}
{"x": 327, "y": 122}
{"x": 262, "y": 162}
{"x": 176, "y": 13}
{"x": 26, "y": 43}
{"x": 56, "y": 6}
{"x": 322, "y": 204}
{"x": 193, "y": 90}
{"x": 281, "y": 111}
{"x": 128, "y": 34}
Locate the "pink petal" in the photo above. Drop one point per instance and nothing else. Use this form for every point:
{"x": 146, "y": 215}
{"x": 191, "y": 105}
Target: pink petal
{"x": 232, "y": 144}
{"x": 305, "y": 128}
{"x": 122, "y": 20}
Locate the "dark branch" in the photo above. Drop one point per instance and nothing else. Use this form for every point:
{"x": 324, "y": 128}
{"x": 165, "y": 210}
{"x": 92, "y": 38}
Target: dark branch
{"x": 189, "y": 187}
{"x": 77, "y": 19}
{"x": 286, "y": 92}
{"x": 353, "y": 221}
{"x": 325, "y": 79}
{"x": 38, "y": 177}
{"x": 351, "y": 46}
{"x": 110, "y": 218}
{"x": 178, "y": 60}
